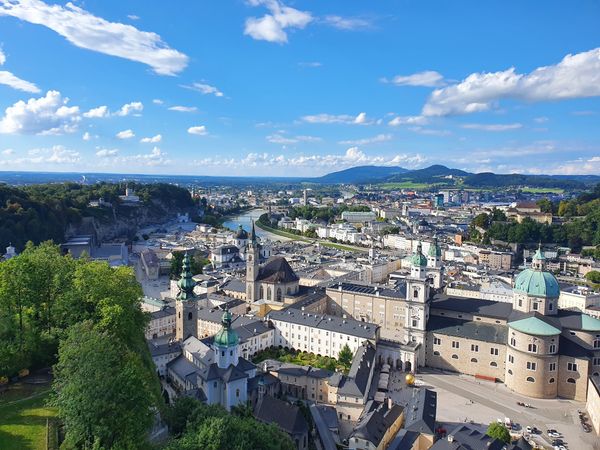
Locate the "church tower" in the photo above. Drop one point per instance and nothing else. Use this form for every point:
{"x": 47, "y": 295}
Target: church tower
{"x": 226, "y": 343}
{"x": 417, "y": 301}
{"x": 186, "y": 307}
{"x": 252, "y": 267}
{"x": 434, "y": 264}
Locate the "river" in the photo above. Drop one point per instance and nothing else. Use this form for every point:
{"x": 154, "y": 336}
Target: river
{"x": 245, "y": 220}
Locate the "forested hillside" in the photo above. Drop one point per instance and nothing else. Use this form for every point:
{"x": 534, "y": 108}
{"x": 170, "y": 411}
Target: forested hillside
{"x": 44, "y": 212}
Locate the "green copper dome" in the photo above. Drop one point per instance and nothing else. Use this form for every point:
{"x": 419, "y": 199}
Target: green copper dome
{"x": 186, "y": 283}
{"x": 534, "y": 326}
{"x": 418, "y": 259}
{"x": 537, "y": 284}
{"x": 226, "y": 337}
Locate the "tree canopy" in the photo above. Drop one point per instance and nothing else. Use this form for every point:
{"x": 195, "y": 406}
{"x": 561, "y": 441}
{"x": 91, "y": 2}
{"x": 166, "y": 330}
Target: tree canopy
{"x": 498, "y": 431}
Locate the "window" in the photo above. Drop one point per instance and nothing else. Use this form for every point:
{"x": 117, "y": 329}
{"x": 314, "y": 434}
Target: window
{"x": 520, "y": 302}
{"x": 416, "y": 293}
{"x": 279, "y": 296}
{"x": 268, "y": 294}
{"x": 511, "y": 359}
{"x": 215, "y": 384}
{"x": 550, "y": 307}
{"x": 510, "y": 371}
{"x": 223, "y": 353}
{"x": 536, "y": 306}
{"x": 532, "y": 348}
{"x": 474, "y": 348}
{"x": 596, "y": 361}
{"x": 531, "y": 365}
{"x": 437, "y": 341}
{"x": 455, "y": 356}
{"x": 494, "y": 364}
{"x": 415, "y": 322}
{"x": 237, "y": 393}
{"x": 596, "y": 343}
{"x": 189, "y": 316}
{"x": 551, "y": 380}
{"x": 436, "y": 353}
{"x": 571, "y": 380}
{"x": 513, "y": 341}
{"x": 455, "y": 344}
{"x": 531, "y": 379}
{"x": 552, "y": 348}
{"x": 552, "y": 367}
{"x": 494, "y": 351}
{"x": 230, "y": 352}
{"x": 572, "y": 367}
{"x": 473, "y": 360}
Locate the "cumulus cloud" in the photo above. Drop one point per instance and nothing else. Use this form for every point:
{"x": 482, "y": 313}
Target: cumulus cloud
{"x": 55, "y": 155}
{"x": 199, "y": 130}
{"x": 11, "y": 80}
{"x": 90, "y": 32}
{"x": 130, "y": 108}
{"x": 151, "y": 140}
{"x": 347, "y": 23}
{"x": 8, "y": 152}
{"x": 360, "y": 119}
{"x": 492, "y": 126}
{"x": 313, "y": 163}
{"x": 408, "y": 120}
{"x": 97, "y": 113}
{"x": 575, "y": 76}
{"x": 155, "y": 158}
{"x": 157, "y": 101}
{"x": 107, "y": 153}
{"x": 204, "y": 89}
{"x": 272, "y": 27}
{"x": 428, "y": 78}
{"x": 188, "y": 109}
{"x": 367, "y": 141}
{"x": 86, "y": 136}
{"x": 45, "y": 115}
{"x": 125, "y": 134}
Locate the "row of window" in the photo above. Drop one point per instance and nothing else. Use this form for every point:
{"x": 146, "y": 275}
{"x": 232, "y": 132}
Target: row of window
{"x": 551, "y": 380}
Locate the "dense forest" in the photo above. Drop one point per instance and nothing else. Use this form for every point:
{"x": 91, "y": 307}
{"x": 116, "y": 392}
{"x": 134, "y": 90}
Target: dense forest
{"x": 43, "y": 212}
{"x": 579, "y": 224}
{"x": 326, "y": 214}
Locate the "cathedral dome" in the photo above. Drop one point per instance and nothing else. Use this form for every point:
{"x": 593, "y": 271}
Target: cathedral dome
{"x": 537, "y": 283}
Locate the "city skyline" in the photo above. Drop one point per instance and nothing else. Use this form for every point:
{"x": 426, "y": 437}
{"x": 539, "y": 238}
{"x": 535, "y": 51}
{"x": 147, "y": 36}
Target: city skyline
{"x": 270, "y": 88}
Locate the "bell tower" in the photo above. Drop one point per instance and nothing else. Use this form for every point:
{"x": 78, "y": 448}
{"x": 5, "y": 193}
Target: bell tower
{"x": 186, "y": 308}
{"x": 252, "y": 267}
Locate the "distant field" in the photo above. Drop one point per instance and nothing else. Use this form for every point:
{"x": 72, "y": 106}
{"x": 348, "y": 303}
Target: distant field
{"x": 533, "y": 190}
{"x": 403, "y": 185}
{"x": 23, "y": 415}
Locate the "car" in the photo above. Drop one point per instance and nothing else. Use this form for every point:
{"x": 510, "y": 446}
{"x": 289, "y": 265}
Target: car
{"x": 553, "y": 434}
{"x": 557, "y": 442}
{"x": 529, "y": 429}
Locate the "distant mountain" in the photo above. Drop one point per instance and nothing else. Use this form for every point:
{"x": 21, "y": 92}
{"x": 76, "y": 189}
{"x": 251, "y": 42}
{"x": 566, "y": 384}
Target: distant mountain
{"x": 489, "y": 179}
{"x": 430, "y": 174}
{"x": 361, "y": 174}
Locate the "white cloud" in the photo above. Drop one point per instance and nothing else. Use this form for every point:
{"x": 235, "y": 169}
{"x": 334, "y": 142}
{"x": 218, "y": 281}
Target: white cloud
{"x": 11, "y": 80}
{"x": 199, "y": 130}
{"x": 347, "y": 23}
{"x": 360, "y": 119}
{"x": 428, "y": 78}
{"x": 45, "y": 115}
{"x": 310, "y": 64}
{"x": 541, "y": 119}
{"x": 367, "y": 141}
{"x": 55, "y": 155}
{"x": 107, "y": 153}
{"x": 133, "y": 17}
{"x": 492, "y": 126}
{"x": 86, "y": 136}
{"x": 430, "y": 131}
{"x": 157, "y": 101}
{"x": 130, "y": 108}
{"x": 408, "y": 120}
{"x": 125, "y": 134}
{"x": 575, "y": 76}
{"x": 151, "y": 140}
{"x": 272, "y": 27}
{"x": 183, "y": 108}
{"x": 96, "y": 113}
{"x": 204, "y": 89}
{"x": 312, "y": 164}
{"x": 8, "y": 152}
{"x": 95, "y": 33}
{"x": 155, "y": 158}
{"x": 280, "y": 138}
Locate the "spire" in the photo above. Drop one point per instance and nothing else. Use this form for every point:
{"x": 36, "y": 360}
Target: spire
{"x": 538, "y": 260}
{"x": 253, "y": 233}
{"x": 186, "y": 283}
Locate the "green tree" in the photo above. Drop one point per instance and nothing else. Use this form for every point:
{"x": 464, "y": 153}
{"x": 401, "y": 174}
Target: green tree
{"x": 345, "y": 356}
{"x": 593, "y": 276}
{"x": 498, "y": 431}
{"x": 101, "y": 389}
{"x": 545, "y": 205}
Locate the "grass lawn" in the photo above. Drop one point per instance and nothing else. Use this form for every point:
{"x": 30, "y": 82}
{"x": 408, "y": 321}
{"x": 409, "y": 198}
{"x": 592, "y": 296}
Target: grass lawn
{"x": 533, "y": 190}
{"x": 300, "y": 358}
{"x": 23, "y": 415}
{"x": 403, "y": 185}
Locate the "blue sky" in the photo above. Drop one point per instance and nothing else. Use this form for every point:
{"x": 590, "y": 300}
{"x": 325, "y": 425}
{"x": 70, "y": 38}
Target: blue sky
{"x": 264, "y": 87}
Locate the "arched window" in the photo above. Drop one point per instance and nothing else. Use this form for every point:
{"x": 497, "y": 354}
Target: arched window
{"x": 493, "y": 364}
{"x": 596, "y": 343}
{"x": 510, "y": 371}
{"x": 279, "y": 296}
{"x": 596, "y": 374}
{"x": 571, "y": 380}
{"x": 531, "y": 379}
{"x": 551, "y": 380}
{"x": 416, "y": 293}
{"x": 268, "y": 294}
{"x": 189, "y": 316}
{"x": 454, "y": 356}
{"x": 473, "y": 360}
{"x": 262, "y": 292}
